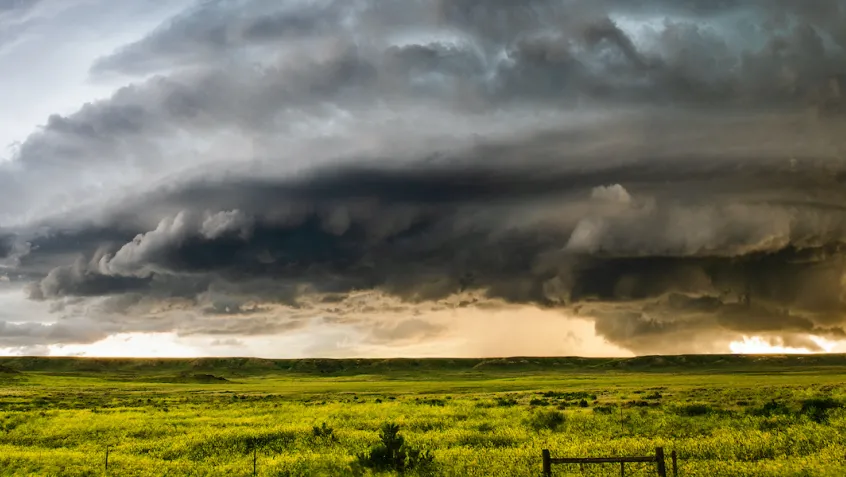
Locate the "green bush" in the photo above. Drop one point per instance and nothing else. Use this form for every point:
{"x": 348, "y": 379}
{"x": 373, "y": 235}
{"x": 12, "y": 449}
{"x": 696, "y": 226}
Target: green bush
{"x": 505, "y": 402}
{"x": 693, "y": 410}
{"x": 323, "y": 432}
{"x": 771, "y": 408}
{"x": 546, "y": 419}
{"x": 817, "y": 409}
{"x": 393, "y": 454}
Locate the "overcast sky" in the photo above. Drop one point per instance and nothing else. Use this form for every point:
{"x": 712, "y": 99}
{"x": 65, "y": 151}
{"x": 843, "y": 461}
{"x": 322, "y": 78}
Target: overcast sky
{"x": 421, "y": 177}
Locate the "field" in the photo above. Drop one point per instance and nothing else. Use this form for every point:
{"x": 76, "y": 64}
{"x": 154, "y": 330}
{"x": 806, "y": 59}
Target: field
{"x": 723, "y": 415}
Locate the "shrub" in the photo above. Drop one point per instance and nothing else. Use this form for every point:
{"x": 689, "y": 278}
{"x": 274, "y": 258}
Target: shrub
{"x": 546, "y": 419}
{"x": 817, "y": 408}
{"x": 693, "y": 410}
{"x": 604, "y": 409}
{"x": 538, "y": 402}
{"x": 432, "y": 402}
{"x": 485, "y": 427}
{"x": 568, "y": 395}
{"x": 772, "y": 408}
{"x": 393, "y": 454}
{"x": 323, "y": 432}
{"x": 505, "y": 402}
{"x": 773, "y": 423}
{"x": 583, "y": 403}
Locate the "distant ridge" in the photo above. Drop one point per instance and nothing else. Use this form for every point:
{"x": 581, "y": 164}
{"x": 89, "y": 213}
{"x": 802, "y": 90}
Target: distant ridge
{"x": 323, "y": 366}
{"x": 8, "y": 370}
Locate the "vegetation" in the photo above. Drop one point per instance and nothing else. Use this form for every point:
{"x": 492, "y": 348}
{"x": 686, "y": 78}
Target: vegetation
{"x": 724, "y": 416}
{"x": 393, "y": 454}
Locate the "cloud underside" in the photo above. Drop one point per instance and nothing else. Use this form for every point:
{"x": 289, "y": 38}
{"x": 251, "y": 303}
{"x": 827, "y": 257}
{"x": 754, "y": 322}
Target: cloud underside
{"x": 672, "y": 171}
{"x": 741, "y": 245}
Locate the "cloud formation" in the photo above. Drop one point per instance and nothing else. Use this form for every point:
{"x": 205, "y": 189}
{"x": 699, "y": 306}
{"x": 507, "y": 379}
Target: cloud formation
{"x": 671, "y": 170}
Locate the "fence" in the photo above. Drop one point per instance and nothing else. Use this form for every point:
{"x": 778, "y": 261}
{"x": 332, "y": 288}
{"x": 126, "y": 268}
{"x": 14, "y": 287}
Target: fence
{"x": 658, "y": 459}
{"x": 548, "y": 461}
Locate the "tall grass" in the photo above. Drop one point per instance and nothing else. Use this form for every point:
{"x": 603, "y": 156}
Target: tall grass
{"x": 485, "y": 424}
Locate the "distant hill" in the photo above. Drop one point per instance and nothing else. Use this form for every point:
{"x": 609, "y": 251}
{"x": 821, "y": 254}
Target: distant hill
{"x": 8, "y": 370}
{"x": 216, "y": 369}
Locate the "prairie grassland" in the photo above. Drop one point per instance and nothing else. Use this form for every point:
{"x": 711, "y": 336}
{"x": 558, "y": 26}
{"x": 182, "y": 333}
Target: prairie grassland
{"x": 741, "y": 417}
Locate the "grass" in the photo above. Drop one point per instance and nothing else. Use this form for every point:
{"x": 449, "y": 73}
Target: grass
{"x": 723, "y": 415}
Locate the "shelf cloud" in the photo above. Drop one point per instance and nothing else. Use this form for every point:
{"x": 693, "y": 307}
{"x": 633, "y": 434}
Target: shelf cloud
{"x": 672, "y": 172}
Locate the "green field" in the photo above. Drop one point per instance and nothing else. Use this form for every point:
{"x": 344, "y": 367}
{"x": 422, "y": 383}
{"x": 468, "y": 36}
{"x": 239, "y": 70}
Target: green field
{"x": 723, "y": 415}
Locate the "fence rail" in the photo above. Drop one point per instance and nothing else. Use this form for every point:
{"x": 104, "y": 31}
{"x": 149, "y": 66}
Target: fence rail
{"x": 658, "y": 459}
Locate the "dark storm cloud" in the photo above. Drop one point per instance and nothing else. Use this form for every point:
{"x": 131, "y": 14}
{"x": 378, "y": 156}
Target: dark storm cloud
{"x": 541, "y": 54}
{"x": 783, "y": 51}
{"x": 134, "y": 127}
{"x": 664, "y": 243}
{"x": 672, "y": 252}
{"x": 712, "y": 204}
{"x": 6, "y": 245}
{"x": 77, "y": 280}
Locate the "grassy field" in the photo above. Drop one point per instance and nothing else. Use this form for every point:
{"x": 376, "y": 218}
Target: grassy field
{"x": 723, "y": 415}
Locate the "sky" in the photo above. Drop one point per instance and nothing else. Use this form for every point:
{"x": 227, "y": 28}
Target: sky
{"x": 387, "y": 178}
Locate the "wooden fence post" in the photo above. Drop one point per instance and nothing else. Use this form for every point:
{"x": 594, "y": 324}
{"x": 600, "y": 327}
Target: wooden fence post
{"x": 675, "y": 464}
{"x": 254, "y": 462}
{"x": 547, "y": 463}
{"x": 106, "y": 471}
{"x": 659, "y": 459}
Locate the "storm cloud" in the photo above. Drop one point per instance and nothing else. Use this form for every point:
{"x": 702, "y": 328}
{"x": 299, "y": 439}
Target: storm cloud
{"x": 673, "y": 171}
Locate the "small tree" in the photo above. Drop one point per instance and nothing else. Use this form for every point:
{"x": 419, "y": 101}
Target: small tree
{"x": 394, "y": 454}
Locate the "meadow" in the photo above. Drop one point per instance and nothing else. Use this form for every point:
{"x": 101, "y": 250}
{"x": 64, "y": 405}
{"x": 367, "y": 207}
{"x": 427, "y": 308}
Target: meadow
{"x": 723, "y": 415}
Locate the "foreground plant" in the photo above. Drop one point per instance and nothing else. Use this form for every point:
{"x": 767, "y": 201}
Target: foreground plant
{"x": 394, "y": 454}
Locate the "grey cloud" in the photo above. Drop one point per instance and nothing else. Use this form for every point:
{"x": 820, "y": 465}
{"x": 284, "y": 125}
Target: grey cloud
{"x": 132, "y": 129}
{"x": 209, "y": 29}
{"x": 80, "y": 280}
{"x": 553, "y": 49}
{"x": 584, "y": 58}
{"x": 8, "y": 8}
{"x": 651, "y": 263}
{"x": 7, "y": 243}
{"x": 39, "y": 334}
{"x": 712, "y": 206}
{"x": 82, "y": 330}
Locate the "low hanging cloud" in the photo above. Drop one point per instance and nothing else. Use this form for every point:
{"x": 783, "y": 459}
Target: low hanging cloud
{"x": 672, "y": 171}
